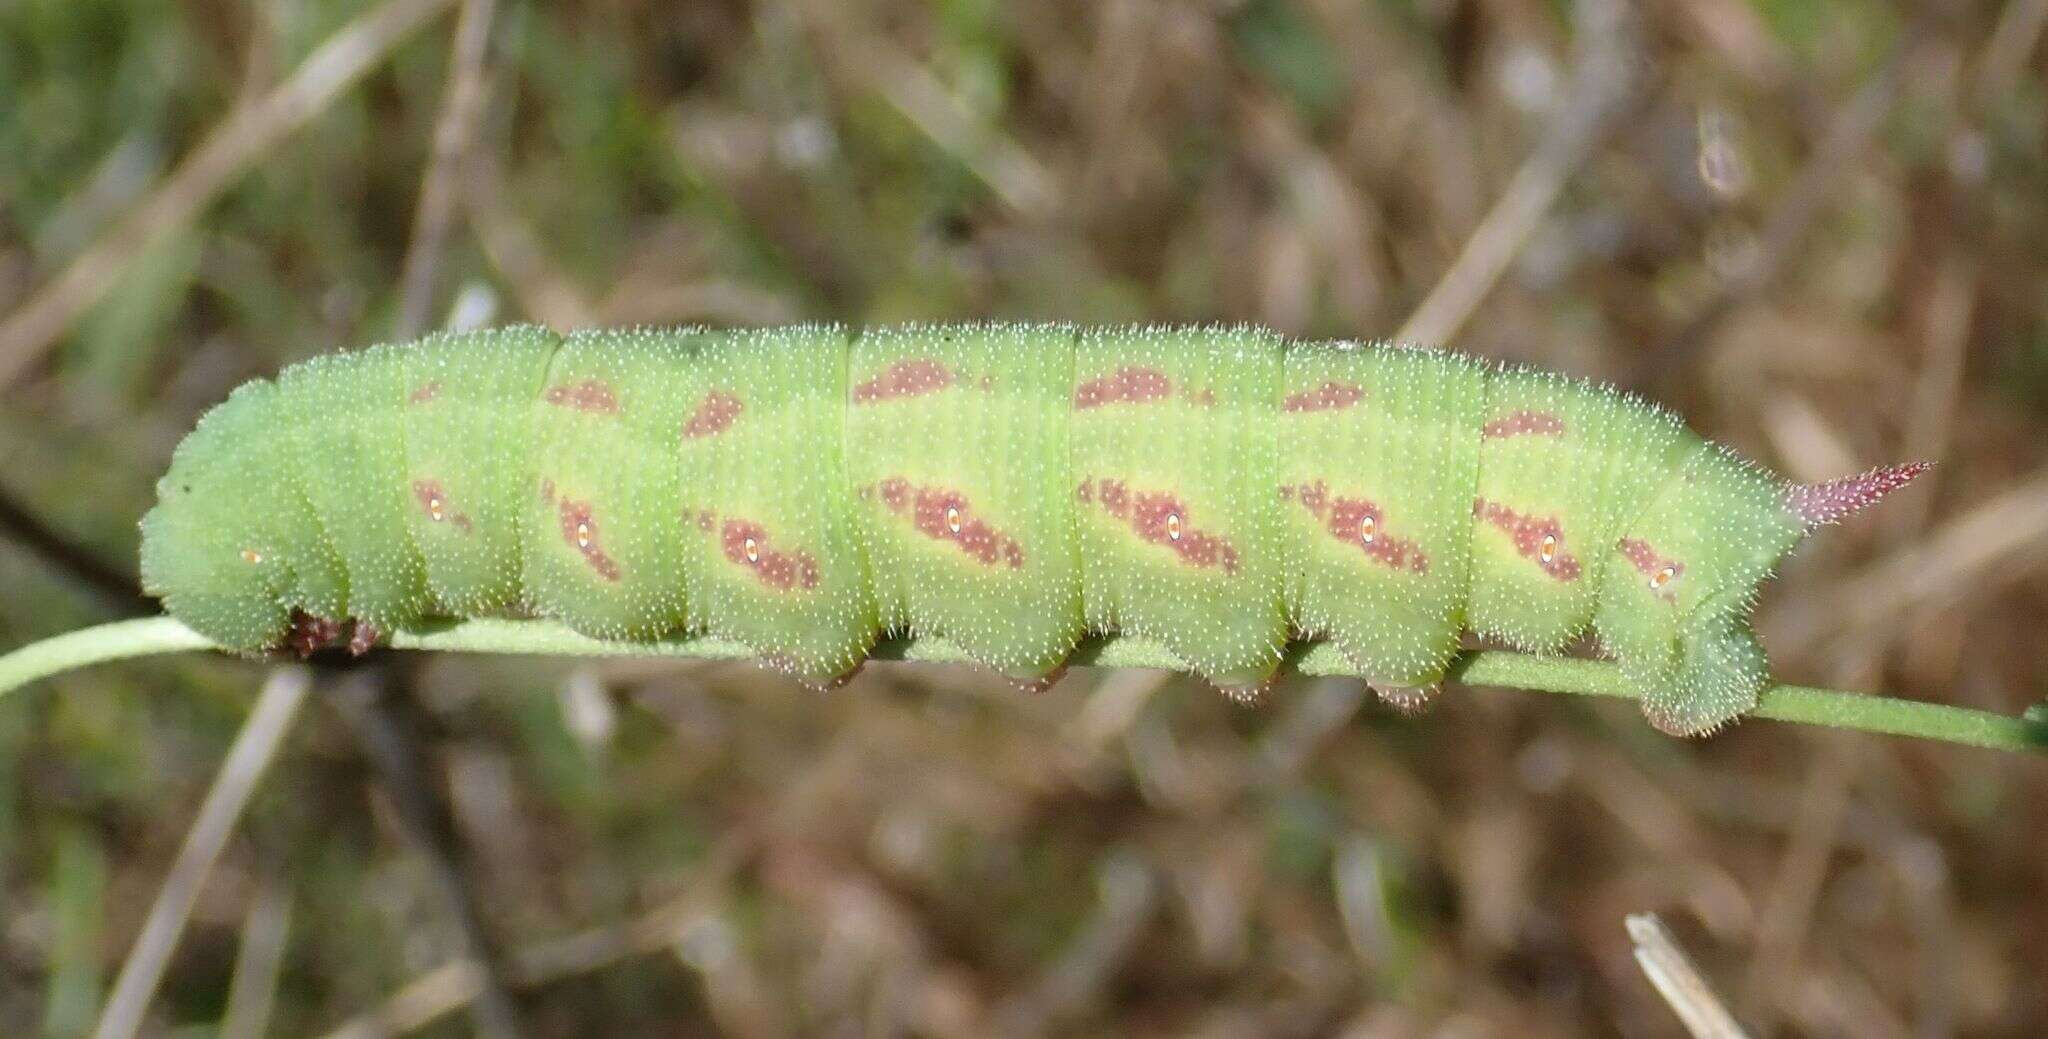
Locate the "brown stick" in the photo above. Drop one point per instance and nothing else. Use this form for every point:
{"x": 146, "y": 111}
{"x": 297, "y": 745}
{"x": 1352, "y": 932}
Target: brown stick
{"x": 454, "y": 130}
{"x": 1599, "y": 91}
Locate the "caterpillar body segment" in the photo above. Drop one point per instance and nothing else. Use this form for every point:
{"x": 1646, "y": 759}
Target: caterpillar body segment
{"x": 338, "y": 417}
{"x": 1174, "y": 447}
{"x": 602, "y": 552}
{"x": 1012, "y": 488}
{"x": 779, "y": 565}
{"x": 1563, "y": 465}
{"x": 957, "y": 450}
{"x": 218, "y": 558}
{"x": 464, "y": 424}
{"x": 1380, "y": 452}
{"x": 1680, "y": 583}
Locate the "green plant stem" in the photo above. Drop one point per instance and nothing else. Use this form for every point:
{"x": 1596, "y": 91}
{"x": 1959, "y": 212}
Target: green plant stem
{"x": 1804, "y": 705}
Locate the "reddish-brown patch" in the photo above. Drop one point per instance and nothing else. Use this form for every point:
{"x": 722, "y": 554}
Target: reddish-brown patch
{"x": 1347, "y": 524}
{"x": 592, "y": 395}
{"x": 364, "y": 638}
{"x": 1125, "y": 385}
{"x": 1344, "y": 519}
{"x": 308, "y": 633}
{"x": 1202, "y": 398}
{"x": 1084, "y": 492}
{"x": 1159, "y": 518}
{"x": 579, "y": 529}
{"x": 434, "y": 502}
{"x": 1523, "y": 423}
{"x": 746, "y": 544}
{"x": 714, "y": 415}
{"x": 706, "y": 520}
{"x": 1641, "y": 555}
{"x": 944, "y": 514}
{"x": 914, "y": 377}
{"x": 1528, "y": 533}
{"x": 895, "y": 493}
{"x": 1115, "y": 498}
{"x": 1330, "y": 396}
{"x": 425, "y": 393}
{"x": 1313, "y": 496}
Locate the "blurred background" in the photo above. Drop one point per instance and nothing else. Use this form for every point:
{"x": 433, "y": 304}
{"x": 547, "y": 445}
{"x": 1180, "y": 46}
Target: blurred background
{"x": 1820, "y": 232}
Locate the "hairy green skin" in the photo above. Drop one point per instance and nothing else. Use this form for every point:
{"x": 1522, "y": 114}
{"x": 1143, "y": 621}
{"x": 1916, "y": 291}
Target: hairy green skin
{"x": 1011, "y": 488}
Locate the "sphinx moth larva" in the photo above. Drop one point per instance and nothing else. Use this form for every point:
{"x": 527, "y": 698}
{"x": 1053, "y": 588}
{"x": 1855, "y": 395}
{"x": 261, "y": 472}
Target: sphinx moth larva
{"x": 1009, "y": 487}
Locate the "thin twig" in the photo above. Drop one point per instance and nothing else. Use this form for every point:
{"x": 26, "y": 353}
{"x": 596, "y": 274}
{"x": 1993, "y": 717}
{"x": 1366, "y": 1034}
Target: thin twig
{"x": 252, "y": 990}
{"x": 379, "y": 707}
{"x": 452, "y": 985}
{"x": 107, "y": 582}
{"x": 1009, "y": 170}
{"x": 1598, "y": 92}
{"x": 247, "y": 135}
{"x": 1678, "y": 982}
{"x": 454, "y": 130}
{"x": 1804, "y": 705}
{"x": 246, "y": 762}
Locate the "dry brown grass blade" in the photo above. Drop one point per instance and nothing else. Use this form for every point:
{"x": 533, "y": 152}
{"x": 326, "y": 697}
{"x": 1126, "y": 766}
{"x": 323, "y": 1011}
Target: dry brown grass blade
{"x": 1678, "y": 981}
{"x": 252, "y": 991}
{"x": 517, "y": 251}
{"x": 243, "y": 138}
{"x": 1598, "y": 92}
{"x": 454, "y": 130}
{"x": 452, "y": 986}
{"x": 998, "y": 160}
{"x": 247, "y": 761}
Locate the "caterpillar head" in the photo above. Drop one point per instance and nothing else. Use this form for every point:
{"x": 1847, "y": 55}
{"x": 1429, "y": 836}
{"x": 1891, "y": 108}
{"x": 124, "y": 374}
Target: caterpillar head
{"x": 208, "y": 546}
{"x": 1679, "y": 589}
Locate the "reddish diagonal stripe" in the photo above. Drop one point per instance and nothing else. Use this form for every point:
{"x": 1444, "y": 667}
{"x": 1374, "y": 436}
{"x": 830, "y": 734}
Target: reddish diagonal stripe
{"x": 1344, "y": 519}
{"x": 579, "y": 530}
{"x": 1527, "y": 533}
{"x": 1156, "y": 517}
{"x": 936, "y": 511}
{"x": 776, "y": 569}
{"x": 433, "y": 501}
{"x": 1641, "y": 555}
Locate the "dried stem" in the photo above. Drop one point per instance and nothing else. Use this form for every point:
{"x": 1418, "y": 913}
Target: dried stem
{"x": 246, "y": 762}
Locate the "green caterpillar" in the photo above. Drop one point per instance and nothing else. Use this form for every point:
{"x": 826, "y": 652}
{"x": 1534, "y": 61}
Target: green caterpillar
{"x": 1011, "y": 487}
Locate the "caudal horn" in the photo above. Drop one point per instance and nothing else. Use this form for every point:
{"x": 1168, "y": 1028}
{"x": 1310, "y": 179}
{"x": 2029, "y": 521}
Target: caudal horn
{"x": 1830, "y": 501}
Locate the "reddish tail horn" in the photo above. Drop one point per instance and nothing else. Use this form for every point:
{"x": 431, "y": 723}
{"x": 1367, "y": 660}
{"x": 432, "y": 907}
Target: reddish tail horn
{"x": 1828, "y": 502}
